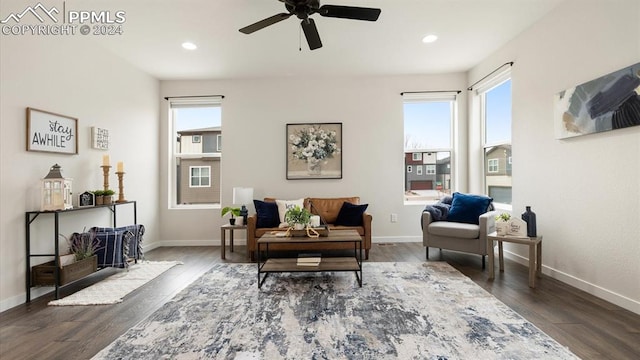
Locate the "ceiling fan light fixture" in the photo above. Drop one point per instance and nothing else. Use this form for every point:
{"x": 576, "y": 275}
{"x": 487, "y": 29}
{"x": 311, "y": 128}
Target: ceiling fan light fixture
{"x": 429, "y": 38}
{"x": 189, "y": 45}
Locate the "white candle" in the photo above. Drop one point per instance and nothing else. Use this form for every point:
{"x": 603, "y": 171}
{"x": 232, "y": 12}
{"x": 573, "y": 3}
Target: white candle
{"x": 105, "y": 160}
{"x": 120, "y": 166}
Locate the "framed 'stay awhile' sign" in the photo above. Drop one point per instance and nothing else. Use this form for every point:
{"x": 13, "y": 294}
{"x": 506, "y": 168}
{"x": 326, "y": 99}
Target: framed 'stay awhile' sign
{"x": 50, "y": 132}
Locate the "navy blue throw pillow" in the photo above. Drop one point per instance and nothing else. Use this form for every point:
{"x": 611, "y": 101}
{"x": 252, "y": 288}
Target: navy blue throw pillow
{"x": 351, "y": 214}
{"x": 467, "y": 208}
{"x": 267, "y": 214}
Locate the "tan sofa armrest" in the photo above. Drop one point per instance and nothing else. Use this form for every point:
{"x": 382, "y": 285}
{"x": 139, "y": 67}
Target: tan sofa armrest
{"x": 366, "y": 223}
{"x": 252, "y": 220}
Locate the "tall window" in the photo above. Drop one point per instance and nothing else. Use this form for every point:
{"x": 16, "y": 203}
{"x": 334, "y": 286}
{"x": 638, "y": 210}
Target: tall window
{"x": 195, "y": 136}
{"x": 495, "y": 105}
{"x": 428, "y": 143}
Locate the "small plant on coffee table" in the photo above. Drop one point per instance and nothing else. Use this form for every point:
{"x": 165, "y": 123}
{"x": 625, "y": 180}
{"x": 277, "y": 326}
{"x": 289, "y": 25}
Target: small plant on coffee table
{"x": 233, "y": 211}
{"x": 297, "y": 215}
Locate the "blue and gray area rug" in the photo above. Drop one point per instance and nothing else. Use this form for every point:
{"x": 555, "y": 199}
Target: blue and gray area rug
{"x": 403, "y": 311}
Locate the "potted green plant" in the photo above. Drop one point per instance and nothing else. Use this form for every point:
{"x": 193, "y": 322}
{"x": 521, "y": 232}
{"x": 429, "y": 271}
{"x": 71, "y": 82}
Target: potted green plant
{"x": 502, "y": 223}
{"x": 99, "y": 194}
{"x": 234, "y": 211}
{"x": 297, "y": 217}
{"x": 108, "y": 196}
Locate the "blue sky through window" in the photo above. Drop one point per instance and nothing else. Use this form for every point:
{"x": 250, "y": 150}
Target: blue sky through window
{"x": 427, "y": 125}
{"x": 198, "y": 117}
{"x": 498, "y": 103}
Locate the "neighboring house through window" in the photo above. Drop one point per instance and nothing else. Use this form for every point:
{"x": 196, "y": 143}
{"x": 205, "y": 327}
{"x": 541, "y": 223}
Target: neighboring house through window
{"x": 195, "y": 135}
{"x": 428, "y": 144}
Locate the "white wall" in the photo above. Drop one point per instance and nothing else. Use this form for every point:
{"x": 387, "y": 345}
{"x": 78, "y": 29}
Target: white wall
{"x": 73, "y": 78}
{"x": 254, "y": 115}
{"x": 585, "y": 190}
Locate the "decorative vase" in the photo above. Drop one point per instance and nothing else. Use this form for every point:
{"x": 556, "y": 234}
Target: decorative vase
{"x": 99, "y": 199}
{"x": 530, "y": 218}
{"x": 232, "y": 221}
{"x": 314, "y": 166}
{"x": 502, "y": 227}
{"x": 107, "y": 199}
{"x": 298, "y": 226}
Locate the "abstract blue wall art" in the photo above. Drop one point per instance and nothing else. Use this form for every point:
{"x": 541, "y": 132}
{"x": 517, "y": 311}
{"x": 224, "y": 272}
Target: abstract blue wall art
{"x": 607, "y": 103}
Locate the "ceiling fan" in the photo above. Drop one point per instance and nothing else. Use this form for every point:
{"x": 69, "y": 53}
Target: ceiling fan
{"x": 304, "y": 8}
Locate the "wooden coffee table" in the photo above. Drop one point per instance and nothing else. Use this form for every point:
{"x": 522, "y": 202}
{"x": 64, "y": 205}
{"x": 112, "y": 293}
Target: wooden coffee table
{"x": 268, "y": 265}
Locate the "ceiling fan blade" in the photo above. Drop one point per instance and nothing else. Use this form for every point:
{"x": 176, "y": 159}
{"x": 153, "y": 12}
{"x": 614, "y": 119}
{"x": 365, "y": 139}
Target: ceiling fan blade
{"x": 349, "y": 12}
{"x": 311, "y": 33}
{"x": 264, "y": 23}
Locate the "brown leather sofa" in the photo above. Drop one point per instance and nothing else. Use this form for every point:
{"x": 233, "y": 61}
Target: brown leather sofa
{"x": 328, "y": 209}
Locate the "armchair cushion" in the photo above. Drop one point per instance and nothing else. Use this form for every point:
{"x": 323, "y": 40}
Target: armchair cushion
{"x": 351, "y": 214}
{"x": 467, "y": 208}
{"x": 456, "y": 230}
{"x": 267, "y": 213}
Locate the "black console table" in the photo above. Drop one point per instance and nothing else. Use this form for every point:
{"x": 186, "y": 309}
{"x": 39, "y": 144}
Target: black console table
{"x": 31, "y": 216}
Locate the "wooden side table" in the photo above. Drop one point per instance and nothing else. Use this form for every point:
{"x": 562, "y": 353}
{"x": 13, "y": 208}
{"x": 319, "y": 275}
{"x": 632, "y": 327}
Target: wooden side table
{"x": 223, "y": 230}
{"x": 535, "y": 254}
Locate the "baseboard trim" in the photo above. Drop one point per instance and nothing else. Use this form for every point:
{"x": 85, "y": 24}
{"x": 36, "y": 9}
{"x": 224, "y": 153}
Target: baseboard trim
{"x": 395, "y": 239}
{"x": 595, "y": 290}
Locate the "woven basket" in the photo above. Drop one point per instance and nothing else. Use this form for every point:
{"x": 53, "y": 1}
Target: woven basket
{"x": 44, "y": 274}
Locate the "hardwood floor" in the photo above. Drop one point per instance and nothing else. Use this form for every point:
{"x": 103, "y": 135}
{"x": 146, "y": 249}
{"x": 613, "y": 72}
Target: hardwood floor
{"x": 590, "y": 327}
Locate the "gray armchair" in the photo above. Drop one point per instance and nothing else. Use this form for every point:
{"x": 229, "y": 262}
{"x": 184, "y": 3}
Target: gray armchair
{"x": 458, "y": 236}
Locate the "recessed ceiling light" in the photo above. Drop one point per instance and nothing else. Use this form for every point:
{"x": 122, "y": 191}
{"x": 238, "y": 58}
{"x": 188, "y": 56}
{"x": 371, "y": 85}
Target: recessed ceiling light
{"x": 189, "y": 45}
{"x": 429, "y": 38}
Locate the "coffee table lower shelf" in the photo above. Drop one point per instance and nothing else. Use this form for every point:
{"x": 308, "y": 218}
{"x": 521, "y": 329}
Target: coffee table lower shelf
{"x": 326, "y": 264}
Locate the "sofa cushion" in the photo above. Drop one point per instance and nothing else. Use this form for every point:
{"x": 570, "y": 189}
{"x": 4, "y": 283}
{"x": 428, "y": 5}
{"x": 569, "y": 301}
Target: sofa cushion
{"x": 351, "y": 214}
{"x": 328, "y": 208}
{"x": 454, "y": 229}
{"x": 284, "y": 205}
{"x": 267, "y": 214}
{"x": 467, "y": 208}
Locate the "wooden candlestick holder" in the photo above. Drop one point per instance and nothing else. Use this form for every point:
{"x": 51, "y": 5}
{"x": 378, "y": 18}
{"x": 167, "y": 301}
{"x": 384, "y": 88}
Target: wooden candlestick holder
{"x": 105, "y": 173}
{"x": 120, "y": 187}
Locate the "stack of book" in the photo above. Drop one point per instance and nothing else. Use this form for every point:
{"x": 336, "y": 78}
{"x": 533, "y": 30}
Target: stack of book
{"x": 309, "y": 259}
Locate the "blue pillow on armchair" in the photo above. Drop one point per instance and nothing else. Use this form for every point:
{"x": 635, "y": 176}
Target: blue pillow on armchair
{"x": 267, "y": 213}
{"x": 467, "y": 208}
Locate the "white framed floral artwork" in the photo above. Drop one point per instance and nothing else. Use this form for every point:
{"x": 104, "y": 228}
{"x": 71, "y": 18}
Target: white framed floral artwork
{"x": 314, "y": 151}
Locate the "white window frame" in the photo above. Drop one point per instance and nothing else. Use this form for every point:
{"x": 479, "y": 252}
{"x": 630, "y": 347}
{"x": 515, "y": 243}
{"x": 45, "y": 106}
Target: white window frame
{"x": 173, "y": 154}
{"x": 219, "y": 142}
{"x": 430, "y": 169}
{"x": 439, "y": 96}
{"x": 416, "y": 156}
{"x": 196, "y": 139}
{"x": 409, "y": 168}
{"x": 480, "y": 91}
{"x": 200, "y": 177}
{"x": 419, "y": 170}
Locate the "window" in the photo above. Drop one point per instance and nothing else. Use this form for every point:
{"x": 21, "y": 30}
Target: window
{"x": 495, "y": 113}
{"x": 195, "y": 133}
{"x": 492, "y": 166}
{"x": 419, "y": 170}
{"x": 409, "y": 168}
{"x": 219, "y": 142}
{"x": 200, "y": 176}
{"x": 428, "y": 138}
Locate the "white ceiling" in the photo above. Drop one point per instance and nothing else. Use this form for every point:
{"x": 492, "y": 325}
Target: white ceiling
{"x": 468, "y": 30}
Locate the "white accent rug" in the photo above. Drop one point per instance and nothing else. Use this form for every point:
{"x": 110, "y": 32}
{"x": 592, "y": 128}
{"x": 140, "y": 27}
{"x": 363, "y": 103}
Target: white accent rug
{"x": 112, "y": 289}
{"x": 403, "y": 311}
